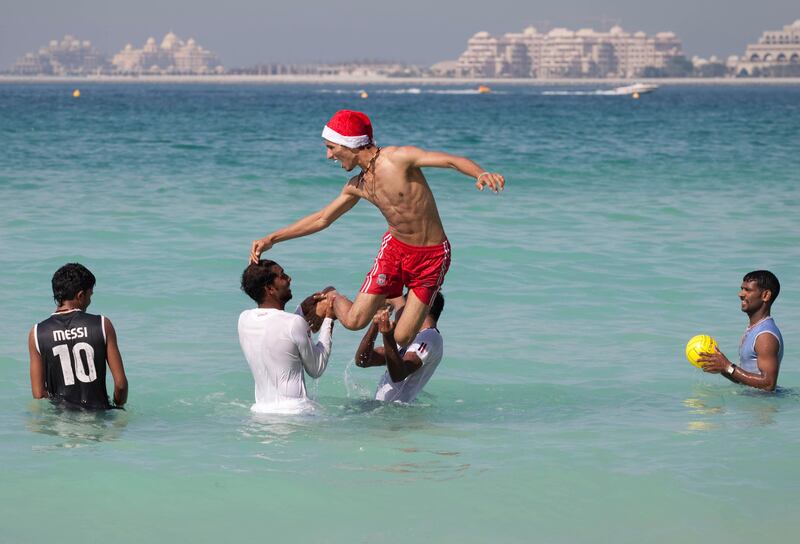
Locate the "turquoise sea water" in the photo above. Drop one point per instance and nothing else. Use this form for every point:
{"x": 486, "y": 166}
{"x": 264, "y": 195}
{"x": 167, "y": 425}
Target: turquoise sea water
{"x": 564, "y": 410}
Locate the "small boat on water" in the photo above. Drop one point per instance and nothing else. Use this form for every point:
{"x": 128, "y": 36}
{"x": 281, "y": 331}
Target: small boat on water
{"x": 483, "y": 89}
{"x": 636, "y": 88}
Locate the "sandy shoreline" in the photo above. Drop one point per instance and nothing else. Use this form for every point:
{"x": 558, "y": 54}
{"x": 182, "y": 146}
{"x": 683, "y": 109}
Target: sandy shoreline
{"x": 377, "y": 80}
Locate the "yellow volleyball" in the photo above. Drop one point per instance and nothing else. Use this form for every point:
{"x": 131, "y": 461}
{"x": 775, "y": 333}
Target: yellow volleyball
{"x": 702, "y": 343}
{"x": 76, "y": 93}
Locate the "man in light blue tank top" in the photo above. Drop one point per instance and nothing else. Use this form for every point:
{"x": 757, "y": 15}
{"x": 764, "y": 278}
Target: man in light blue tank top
{"x": 761, "y": 348}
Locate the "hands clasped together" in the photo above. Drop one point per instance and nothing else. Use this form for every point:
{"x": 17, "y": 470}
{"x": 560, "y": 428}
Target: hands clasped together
{"x": 318, "y": 306}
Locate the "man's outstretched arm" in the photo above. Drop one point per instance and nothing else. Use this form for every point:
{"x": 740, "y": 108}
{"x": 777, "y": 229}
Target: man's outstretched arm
{"x": 421, "y": 158}
{"x": 310, "y": 224}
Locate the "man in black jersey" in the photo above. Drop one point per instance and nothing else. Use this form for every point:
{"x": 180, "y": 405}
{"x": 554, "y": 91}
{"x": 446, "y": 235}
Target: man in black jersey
{"x": 70, "y": 349}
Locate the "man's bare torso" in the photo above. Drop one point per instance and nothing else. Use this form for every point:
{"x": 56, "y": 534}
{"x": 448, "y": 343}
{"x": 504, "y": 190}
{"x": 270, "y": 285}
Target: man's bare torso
{"x": 401, "y": 192}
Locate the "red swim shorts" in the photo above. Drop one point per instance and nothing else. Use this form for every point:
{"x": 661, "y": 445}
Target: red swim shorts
{"x": 420, "y": 268}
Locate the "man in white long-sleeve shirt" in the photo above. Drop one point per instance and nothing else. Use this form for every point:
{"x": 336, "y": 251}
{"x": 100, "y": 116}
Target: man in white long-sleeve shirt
{"x": 277, "y": 344}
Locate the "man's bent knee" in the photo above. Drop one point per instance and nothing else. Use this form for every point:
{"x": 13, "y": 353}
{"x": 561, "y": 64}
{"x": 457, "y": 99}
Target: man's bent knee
{"x": 361, "y": 312}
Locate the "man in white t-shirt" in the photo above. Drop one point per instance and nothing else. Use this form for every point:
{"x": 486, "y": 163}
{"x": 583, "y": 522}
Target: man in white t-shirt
{"x": 409, "y": 369}
{"x": 277, "y": 344}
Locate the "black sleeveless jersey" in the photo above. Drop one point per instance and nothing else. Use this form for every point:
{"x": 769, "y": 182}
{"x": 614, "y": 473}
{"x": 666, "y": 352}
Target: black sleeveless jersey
{"x": 73, "y": 349}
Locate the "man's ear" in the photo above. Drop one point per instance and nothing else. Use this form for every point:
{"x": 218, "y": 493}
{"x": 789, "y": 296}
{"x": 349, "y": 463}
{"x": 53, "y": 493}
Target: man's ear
{"x": 766, "y": 295}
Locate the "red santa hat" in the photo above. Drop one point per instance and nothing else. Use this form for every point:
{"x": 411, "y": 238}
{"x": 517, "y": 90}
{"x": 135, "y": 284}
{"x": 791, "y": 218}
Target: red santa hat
{"x": 349, "y": 128}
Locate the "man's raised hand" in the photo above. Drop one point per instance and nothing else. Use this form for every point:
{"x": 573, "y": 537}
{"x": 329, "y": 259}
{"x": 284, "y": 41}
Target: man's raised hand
{"x": 494, "y": 181}
{"x": 259, "y": 247}
{"x": 382, "y": 319}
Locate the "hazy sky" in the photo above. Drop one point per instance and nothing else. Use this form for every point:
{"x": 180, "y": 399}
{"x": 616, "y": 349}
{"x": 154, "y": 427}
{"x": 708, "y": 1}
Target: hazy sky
{"x": 245, "y": 32}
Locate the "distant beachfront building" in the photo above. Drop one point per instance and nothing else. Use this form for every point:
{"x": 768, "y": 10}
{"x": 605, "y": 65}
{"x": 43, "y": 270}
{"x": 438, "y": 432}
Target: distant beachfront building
{"x": 354, "y": 69}
{"x": 67, "y": 57}
{"x": 172, "y": 56}
{"x": 566, "y": 53}
{"x": 777, "y": 53}
{"x": 486, "y": 55}
{"x": 713, "y": 66}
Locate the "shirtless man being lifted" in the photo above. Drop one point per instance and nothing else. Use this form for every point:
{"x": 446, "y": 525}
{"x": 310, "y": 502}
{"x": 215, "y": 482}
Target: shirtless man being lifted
{"x": 414, "y": 252}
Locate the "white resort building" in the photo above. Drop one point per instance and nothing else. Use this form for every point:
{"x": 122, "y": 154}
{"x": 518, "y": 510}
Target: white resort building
{"x": 70, "y": 56}
{"x": 173, "y": 56}
{"x": 567, "y": 53}
{"x": 777, "y": 53}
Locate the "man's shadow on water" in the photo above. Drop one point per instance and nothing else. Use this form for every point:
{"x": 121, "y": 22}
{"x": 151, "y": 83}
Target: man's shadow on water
{"x": 77, "y": 427}
{"x": 756, "y": 407}
{"x": 392, "y": 416}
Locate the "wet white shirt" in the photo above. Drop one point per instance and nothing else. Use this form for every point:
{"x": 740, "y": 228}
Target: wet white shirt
{"x": 279, "y": 349}
{"x": 429, "y": 347}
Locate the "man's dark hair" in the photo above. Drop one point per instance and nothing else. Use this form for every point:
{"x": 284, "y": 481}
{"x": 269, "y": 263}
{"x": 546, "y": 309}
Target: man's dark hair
{"x": 765, "y": 280}
{"x": 256, "y": 277}
{"x": 437, "y": 306}
{"x": 71, "y": 279}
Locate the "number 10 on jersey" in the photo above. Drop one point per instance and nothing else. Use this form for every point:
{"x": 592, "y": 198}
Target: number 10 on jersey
{"x": 62, "y": 352}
